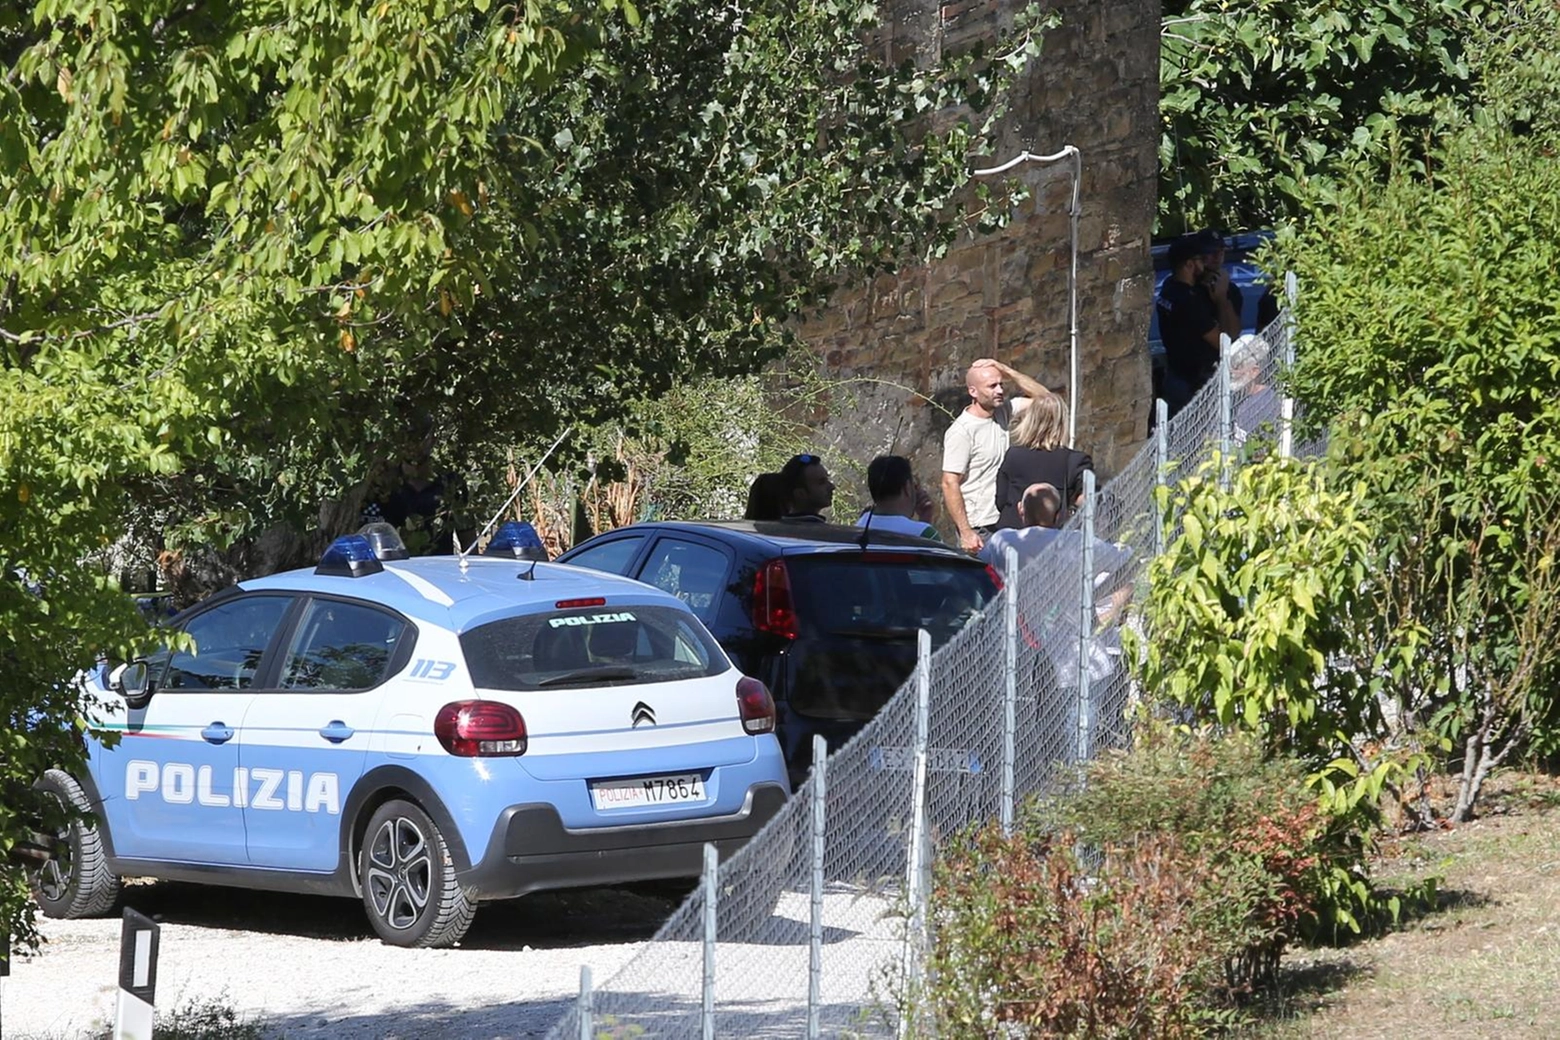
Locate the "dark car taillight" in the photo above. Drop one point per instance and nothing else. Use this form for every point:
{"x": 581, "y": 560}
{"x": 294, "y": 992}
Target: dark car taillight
{"x": 996, "y": 578}
{"x": 755, "y": 706}
{"x": 480, "y": 729}
{"x": 774, "y": 610}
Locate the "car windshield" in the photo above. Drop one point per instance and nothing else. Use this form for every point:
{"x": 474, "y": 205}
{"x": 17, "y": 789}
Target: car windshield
{"x": 593, "y": 647}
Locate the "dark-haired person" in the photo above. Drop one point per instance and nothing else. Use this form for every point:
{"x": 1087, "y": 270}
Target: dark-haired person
{"x": 763, "y": 500}
{"x": 1189, "y": 325}
{"x": 898, "y": 503}
{"x": 1218, "y": 284}
{"x": 805, "y": 489}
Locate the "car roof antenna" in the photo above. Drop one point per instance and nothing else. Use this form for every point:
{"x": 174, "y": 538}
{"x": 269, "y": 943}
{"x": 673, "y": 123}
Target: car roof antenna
{"x": 519, "y": 487}
{"x": 530, "y": 574}
{"x": 866, "y": 528}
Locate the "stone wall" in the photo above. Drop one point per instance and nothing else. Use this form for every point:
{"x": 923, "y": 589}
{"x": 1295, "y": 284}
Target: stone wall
{"x": 900, "y": 344}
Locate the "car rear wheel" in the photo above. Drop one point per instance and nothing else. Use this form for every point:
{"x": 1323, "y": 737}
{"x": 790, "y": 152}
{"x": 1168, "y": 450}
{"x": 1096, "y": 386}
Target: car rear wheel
{"x": 74, "y": 880}
{"x": 408, "y": 880}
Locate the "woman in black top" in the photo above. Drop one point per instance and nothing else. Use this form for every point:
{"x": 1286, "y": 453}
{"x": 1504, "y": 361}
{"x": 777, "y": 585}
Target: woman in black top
{"x": 1038, "y": 456}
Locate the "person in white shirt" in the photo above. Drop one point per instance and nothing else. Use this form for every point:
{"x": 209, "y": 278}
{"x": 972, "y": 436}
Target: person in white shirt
{"x": 1037, "y": 511}
{"x": 974, "y": 446}
{"x": 898, "y": 503}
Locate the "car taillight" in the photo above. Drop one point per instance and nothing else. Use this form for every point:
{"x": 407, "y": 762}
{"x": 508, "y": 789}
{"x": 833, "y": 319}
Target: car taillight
{"x": 996, "y": 579}
{"x": 483, "y": 729}
{"x": 755, "y": 705}
{"x": 773, "y": 609}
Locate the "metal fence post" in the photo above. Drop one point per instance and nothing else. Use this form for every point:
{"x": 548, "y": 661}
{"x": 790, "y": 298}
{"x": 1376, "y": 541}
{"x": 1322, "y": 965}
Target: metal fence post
{"x": 1286, "y": 405}
{"x": 1226, "y": 407}
{"x": 585, "y": 1008}
{"x": 820, "y": 794}
{"x": 711, "y": 896}
{"x": 1161, "y": 467}
{"x": 1086, "y": 616}
{"x": 915, "y": 875}
{"x": 1010, "y": 683}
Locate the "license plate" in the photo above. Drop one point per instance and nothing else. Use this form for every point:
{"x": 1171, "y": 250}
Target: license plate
{"x": 647, "y": 790}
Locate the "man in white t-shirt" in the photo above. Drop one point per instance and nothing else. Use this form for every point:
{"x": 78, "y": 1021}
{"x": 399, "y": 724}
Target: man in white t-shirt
{"x": 974, "y": 445}
{"x": 898, "y": 503}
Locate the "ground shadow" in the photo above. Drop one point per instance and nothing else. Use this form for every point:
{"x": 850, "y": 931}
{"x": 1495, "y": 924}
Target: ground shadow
{"x": 1303, "y": 988}
{"x": 548, "y": 920}
{"x": 1414, "y": 911}
{"x": 559, "y": 920}
{"x": 642, "y": 1015}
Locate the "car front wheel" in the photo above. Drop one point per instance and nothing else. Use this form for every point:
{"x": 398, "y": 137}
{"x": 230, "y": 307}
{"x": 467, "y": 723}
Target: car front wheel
{"x": 74, "y": 880}
{"x": 408, "y": 880}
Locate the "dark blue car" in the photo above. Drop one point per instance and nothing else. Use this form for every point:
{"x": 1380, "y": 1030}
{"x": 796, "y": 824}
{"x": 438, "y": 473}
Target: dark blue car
{"x": 825, "y": 617}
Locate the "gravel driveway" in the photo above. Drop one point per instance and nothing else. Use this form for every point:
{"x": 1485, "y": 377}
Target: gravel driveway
{"x": 307, "y": 966}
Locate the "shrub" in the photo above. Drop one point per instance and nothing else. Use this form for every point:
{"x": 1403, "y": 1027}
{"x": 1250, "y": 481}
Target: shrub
{"x": 1253, "y": 818}
{"x": 1204, "y": 859}
{"x": 1026, "y": 935}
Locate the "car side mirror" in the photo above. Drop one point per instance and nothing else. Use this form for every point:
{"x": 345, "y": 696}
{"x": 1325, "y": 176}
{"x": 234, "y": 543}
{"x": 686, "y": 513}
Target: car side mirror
{"x": 132, "y": 682}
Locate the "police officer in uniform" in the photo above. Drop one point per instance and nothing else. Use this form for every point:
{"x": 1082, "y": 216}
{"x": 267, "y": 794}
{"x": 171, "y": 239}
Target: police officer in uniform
{"x": 1190, "y": 320}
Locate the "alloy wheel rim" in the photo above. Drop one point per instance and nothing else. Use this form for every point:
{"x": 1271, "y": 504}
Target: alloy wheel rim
{"x": 400, "y": 873}
{"x": 54, "y": 875}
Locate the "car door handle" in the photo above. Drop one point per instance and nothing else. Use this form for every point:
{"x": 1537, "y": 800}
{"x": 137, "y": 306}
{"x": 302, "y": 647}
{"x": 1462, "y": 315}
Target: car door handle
{"x": 336, "y": 731}
{"x": 218, "y": 733}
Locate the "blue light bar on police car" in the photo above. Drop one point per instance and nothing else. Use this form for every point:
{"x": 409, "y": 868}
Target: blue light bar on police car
{"x": 516, "y": 539}
{"x": 350, "y": 556}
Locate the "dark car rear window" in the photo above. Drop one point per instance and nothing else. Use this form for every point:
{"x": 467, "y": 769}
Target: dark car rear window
{"x": 858, "y": 615}
{"x": 598, "y": 646}
{"x": 843, "y": 593}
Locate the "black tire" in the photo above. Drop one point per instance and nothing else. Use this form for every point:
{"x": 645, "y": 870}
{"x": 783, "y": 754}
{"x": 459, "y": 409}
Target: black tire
{"x": 75, "y": 881}
{"x": 408, "y": 880}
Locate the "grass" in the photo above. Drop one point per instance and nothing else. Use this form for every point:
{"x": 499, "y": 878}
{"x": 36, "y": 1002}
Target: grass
{"x": 206, "y": 1020}
{"x": 1481, "y": 963}
{"x": 211, "y": 1018}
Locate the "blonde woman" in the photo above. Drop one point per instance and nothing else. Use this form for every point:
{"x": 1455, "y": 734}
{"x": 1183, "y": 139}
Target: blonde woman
{"x": 1038, "y": 455}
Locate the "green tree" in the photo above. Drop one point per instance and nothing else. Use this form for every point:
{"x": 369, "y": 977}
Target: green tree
{"x": 1260, "y": 98}
{"x": 1432, "y": 328}
{"x": 1259, "y": 617}
{"x": 252, "y": 254}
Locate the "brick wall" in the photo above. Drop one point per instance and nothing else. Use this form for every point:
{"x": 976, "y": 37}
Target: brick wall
{"x": 902, "y": 342}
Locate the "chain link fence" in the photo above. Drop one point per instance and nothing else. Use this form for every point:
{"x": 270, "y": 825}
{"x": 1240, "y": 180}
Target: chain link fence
{"x": 817, "y": 926}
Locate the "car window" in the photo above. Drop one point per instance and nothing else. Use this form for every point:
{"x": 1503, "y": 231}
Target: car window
{"x": 693, "y": 572}
{"x": 599, "y": 646}
{"x": 229, "y": 641}
{"x": 857, "y": 616}
{"x": 612, "y": 556}
{"x": 873, "y": 593}
{"x": 341, "y": 646}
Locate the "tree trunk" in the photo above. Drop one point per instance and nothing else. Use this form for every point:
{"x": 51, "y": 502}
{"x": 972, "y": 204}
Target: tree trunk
{"x": 1475, "y": 764}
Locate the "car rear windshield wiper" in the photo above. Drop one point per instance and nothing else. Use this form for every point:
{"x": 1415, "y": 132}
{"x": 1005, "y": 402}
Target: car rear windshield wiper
{"x": 605, "y": 672}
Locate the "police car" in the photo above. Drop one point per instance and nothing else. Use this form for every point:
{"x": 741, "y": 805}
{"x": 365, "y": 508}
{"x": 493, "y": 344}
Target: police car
{"x": 422, "y": 734}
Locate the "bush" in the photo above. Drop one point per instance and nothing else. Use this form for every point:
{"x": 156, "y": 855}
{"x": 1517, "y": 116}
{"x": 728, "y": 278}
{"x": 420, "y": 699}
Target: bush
{"x": 1027, "y": 935}
{"x": 1253, "y": 818}
{"x": 1204, "y": 860}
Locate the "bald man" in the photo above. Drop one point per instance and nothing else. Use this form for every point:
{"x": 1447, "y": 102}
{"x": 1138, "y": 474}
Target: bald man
{"x": 1038, "y": 512}
{"x": 974, "y": 445}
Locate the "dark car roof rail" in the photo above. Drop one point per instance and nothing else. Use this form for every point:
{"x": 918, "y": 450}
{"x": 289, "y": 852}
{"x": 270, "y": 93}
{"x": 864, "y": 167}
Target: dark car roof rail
{"x": 785, "y": 535}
